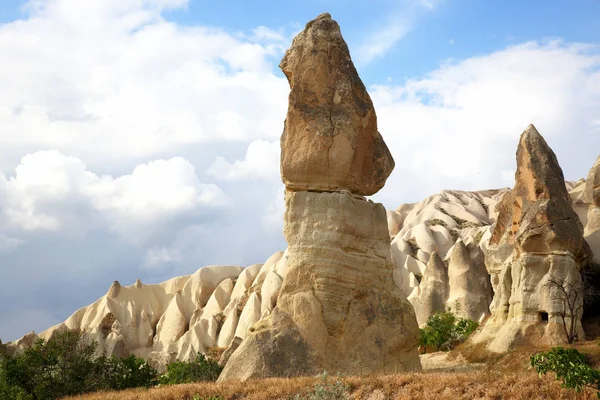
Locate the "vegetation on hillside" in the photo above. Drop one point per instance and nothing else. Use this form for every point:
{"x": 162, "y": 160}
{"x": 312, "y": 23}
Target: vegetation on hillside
{"x": 68, "y": 365}
{"x": 570, "y": 367}
{"x": 444, "y": 330}
{"x": 201, "y": 369}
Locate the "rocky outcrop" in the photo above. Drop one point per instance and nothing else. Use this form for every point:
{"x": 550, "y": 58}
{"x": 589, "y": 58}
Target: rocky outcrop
{"x": 537, "y": 238}
{"x": 432, "y": 293}
{"x": 338, "y": 308}
{"x": 592, "y": 201}
{"x": 592, "y": 185}
{"x": 537, "y": 215}
{"x": 460, "y": 284}
{"x": 470, "y": 290}
{"x": 330, "y": 117}
{"x": 230, "y": 350}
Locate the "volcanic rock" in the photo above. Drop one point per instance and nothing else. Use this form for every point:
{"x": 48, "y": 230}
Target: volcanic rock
{"x": 338, "y": 308}
{"x": 537, "y": 238}
{"x": 330, "y": 141}
{"x": 470, "y": 290}
{"x": 433, "y": 291}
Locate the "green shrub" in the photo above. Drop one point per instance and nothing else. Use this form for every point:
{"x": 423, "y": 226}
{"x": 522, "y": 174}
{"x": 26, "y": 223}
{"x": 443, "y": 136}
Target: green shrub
{"x": 326, "y": 390}
{"x": 443, "y": 330}
{"x": 464, "y": 327}
{"x": 48, "y": 370}
{"x": 570, "y": 366}
{"x": 67, "y": 365}
{"x": 201, "y": 369}
{"x": 126, "y": 373}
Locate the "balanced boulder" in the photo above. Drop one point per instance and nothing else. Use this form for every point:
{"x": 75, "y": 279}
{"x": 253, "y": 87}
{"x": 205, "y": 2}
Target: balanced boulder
{"x": 338, "y": 308}
{"x": 330, "y": 140}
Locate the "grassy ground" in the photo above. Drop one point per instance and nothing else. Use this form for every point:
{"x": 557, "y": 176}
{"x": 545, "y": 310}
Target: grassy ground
{"x": 493, "y": 377}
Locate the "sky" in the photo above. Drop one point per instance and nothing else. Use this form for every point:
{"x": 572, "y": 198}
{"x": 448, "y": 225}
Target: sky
{"x": 140, "y": 138}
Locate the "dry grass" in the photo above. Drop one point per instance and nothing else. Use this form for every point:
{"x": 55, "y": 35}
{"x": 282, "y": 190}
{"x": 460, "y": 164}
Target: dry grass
{"x": 507, "y": 376}
{"x": 215, "y": 352}
{"x": 484, "y": 384}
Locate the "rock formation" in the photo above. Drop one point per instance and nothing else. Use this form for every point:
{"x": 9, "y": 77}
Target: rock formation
{"x": 423, "y": 234}
{"x": 432, "y": 293}
{"x": 330, "y": 118}
{"x": 338, "y": 308}
{"x": 592, "y": 199}
{"x": 537, "y": 238}
{"x": 592, "y": 185}
{"x": 460, "y": 284}
{"x": 470, "y": 290}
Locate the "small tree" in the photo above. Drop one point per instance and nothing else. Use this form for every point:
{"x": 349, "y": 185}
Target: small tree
{"x": 570, "y": 295}
{"x": 570, "y": 366}
{"x": 443, "y": 330}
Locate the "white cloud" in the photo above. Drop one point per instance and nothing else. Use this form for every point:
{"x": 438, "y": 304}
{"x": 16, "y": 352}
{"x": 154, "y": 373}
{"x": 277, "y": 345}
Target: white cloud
{"x": 458, "y": 126}
{"x": 113, "y": 80}
{"x": 51, "y": 191}
{"x": 156, "y": 257}
{"x": 272, "y": 219}
{"x": 261, "y": 161}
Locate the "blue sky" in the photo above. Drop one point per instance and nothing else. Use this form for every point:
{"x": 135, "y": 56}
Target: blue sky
{"x": 444, "y": 30}
{"x": 140, "y": 138}
{"x": 449, "y": 30}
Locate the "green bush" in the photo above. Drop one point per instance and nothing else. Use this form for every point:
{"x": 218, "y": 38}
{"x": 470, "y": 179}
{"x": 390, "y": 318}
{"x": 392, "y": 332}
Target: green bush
{"x": 444, "y": 329}
{"x": 49, "y": 370}
{"x": 126, "y": 373}
{"x": 67, "y": 365}
{"x": 570, "y": 366}
{"x": 201, "y": 369}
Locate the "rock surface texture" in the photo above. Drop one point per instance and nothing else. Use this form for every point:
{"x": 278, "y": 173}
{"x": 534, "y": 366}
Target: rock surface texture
{"x": 587, "y": 203}
{"x": 338, "y": 308}
{"x": 330, "y": 140}
{"x": 470, "y": 290}
{"x": 538, "y": 237}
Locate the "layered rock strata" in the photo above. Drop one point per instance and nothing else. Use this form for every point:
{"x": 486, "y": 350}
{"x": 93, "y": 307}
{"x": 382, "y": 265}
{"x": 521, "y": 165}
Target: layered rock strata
{"x": 338, "y": 308}
{"x": 538, "y": 238}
